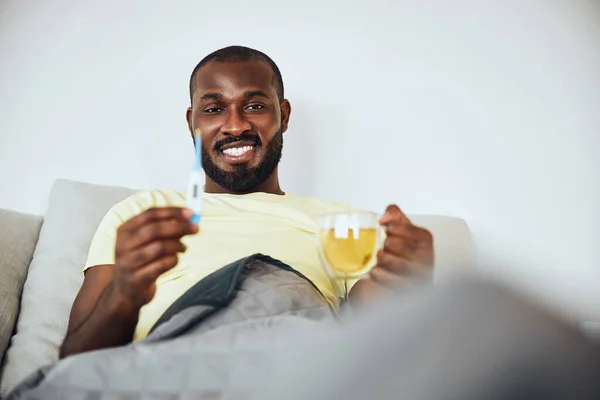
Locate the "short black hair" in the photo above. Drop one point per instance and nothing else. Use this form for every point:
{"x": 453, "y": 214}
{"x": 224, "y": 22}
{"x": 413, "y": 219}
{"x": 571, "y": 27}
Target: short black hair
{"x": 237, "y": 54}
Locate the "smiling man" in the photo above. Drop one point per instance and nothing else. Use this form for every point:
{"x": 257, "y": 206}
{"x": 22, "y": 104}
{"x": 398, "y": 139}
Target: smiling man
{"x": 242, "y": 114}
{"x": 146, "y": 253}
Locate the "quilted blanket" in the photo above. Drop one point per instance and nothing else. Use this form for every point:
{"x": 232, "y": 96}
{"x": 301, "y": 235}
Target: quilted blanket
{"x": 256, "y": 329}
{"x": 221, "y": 339}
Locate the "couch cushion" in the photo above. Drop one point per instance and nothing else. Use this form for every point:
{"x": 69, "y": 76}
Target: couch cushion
{"x": 55, "y": 275}
{"x": 452, "y": 244}
{"x": 18, "y": 237}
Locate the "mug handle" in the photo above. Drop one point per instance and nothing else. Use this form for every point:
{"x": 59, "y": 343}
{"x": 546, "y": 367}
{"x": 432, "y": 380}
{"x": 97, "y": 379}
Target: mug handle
{"x": 381, "y": 234}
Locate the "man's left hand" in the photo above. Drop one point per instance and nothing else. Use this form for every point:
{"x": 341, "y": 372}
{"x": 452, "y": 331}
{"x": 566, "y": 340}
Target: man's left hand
{"x": 407, "y": 252}
{"x": 406, "y": 256}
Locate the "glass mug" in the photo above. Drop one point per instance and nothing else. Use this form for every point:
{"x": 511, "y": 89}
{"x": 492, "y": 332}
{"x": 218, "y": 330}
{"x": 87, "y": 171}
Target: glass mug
{"x": 348, "y": 243}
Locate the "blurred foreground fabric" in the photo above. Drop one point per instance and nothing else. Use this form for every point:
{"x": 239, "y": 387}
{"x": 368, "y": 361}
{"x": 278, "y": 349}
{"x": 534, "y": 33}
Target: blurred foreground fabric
{"x": 467, "y": 340}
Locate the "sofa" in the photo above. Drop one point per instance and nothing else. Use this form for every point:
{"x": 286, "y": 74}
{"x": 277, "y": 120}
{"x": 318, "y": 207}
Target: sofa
{"x": 41, "y": 260}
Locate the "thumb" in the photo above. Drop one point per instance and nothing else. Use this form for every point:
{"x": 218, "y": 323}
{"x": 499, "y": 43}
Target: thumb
{"x": 393, "y": 213}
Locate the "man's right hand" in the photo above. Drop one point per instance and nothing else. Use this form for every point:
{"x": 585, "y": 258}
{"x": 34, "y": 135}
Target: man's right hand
{"x": 146, "y": 247}
{"x": 112, "y": 295}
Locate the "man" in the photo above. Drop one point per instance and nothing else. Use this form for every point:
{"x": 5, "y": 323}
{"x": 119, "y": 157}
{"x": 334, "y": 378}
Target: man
{"x": 146, "y": 253}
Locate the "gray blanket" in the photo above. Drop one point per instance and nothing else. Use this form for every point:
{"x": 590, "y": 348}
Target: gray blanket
{"x": 219, "y": 340}
{"x": 257, "y": 329}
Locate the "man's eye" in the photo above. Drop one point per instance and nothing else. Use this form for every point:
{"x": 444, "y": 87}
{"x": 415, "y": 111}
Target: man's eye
{"x": 255, "y": 107}
{"x": 212, "y": 110}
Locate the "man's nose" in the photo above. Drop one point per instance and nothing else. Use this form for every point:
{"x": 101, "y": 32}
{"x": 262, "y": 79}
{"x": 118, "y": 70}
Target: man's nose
{"x": 235, "y": 123}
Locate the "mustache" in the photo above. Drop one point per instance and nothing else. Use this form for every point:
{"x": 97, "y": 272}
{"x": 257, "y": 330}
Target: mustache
{"x": 244, "y": 137}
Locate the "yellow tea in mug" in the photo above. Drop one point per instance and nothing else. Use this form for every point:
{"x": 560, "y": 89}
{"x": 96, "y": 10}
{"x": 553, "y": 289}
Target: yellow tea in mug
{"x": 350, "y": 253}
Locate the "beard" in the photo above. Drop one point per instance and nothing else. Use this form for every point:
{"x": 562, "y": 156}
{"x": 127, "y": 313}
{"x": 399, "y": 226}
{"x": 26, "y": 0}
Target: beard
{"x": 243, "y": 178}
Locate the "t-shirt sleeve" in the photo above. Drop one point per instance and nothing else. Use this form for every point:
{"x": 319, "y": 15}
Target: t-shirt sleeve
{"x": 102, "y": 248}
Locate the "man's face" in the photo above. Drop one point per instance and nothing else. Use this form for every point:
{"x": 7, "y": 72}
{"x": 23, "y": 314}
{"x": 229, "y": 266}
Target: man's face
{"x": 236, "y": 108}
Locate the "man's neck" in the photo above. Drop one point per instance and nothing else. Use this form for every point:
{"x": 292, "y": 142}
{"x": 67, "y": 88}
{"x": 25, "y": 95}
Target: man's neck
{"x": 270, "y": 186}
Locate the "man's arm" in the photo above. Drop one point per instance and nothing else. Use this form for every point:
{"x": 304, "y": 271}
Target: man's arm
{"x": 100, "y": 318}
{"x": 106, "y": 310}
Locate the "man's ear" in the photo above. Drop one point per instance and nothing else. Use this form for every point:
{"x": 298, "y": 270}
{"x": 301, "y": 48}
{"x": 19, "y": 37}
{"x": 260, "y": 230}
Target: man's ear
{"x": 286, "y": 110}
{"x": 188, "y": 117}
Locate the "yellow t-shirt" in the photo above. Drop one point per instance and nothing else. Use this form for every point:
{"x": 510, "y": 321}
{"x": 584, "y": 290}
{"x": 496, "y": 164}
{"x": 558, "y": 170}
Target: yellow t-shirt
{"x": 232, "y": 227}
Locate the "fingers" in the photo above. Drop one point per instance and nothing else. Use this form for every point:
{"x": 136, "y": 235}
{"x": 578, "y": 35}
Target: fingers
{"x": 172, "y": 228}
{"x": 152, "y": 225}
{"x": 146, "y": 247}
{"x": 409, "y": 232}
{"x": 418, "y": 264}
{"x": 396, "y": 223}
{"x": 150, "y": 273}
{"x": 393, "y": 213}
{"x": 400, "y": 245}
{"x": 396, "y": 264}
{"x": 386, "y": 278}
{"x": 151, "y": 236}
{"x": 136, "y": 271}
{"x": 154, "y": 214}
{"x": 153, "y": 251}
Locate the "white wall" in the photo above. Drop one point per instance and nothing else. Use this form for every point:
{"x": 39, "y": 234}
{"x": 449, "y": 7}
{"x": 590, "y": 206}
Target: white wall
{"x": 486, "y": 110}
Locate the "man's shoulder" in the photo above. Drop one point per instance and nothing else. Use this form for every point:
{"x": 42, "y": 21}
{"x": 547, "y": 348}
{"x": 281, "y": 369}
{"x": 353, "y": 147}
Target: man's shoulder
{"x": 143, "y": 200}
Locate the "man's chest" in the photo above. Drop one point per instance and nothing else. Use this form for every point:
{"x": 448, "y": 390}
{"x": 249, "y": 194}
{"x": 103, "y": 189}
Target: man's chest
{"x": 222, "y": 241}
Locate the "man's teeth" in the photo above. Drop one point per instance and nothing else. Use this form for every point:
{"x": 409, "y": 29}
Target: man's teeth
{"x": 237, "y": 151}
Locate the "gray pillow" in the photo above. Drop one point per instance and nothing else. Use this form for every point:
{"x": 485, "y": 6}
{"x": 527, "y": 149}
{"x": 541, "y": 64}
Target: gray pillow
{"x": 55, "y": 275}
{"x": 18, "y": 237}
